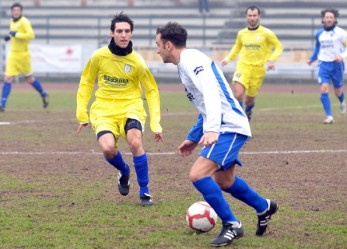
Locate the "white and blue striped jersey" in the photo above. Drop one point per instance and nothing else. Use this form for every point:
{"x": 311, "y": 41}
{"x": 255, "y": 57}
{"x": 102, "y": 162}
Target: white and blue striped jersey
{"x": 209, "y": 91}
{"x": 329, "y": 44}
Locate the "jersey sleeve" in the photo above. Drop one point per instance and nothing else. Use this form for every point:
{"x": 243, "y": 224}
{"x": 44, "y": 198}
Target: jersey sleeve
{"x": 153, "y": 98}
{"x": 28, "y": 33}
{"x": 316, "y": 48}
{"x": 276, "y": 44}
{"x": 202, "y": 76}
{"x": 196, "y": 132}
{"x": 85, "y": 89}
{"x": 235, "y": 49}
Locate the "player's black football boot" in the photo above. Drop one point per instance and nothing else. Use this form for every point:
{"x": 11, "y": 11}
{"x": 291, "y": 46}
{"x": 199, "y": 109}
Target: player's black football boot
{"x": 263, "y": 219}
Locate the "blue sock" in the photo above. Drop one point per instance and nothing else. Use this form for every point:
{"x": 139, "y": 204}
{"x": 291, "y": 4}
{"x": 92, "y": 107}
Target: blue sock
{"x": 37, "y": 85}
{"x": 119, "y": 164}
{"x": 241, "y": 191}
{"x": 249, "y": 108}
{"x": 341, "y": 97}
{"x": 324, "y": 98}
{"x": 214, "y": 196}
{"x": 141, "y": 168}
{"x": 6, "y": 90}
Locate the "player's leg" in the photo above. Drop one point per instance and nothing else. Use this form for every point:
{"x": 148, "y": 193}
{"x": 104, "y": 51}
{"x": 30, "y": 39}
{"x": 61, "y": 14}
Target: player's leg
{"x": 324, "y": 72}
{"x": 36, "y": 84}
{"x": 25, "y": 68}
{"x": 107, "y": 142}
{"x": 10, "y": 72}
{"x": 337, "y": 79}
{"x": 6, "y": 90}
{"x": 201, "y": 177}
{"x": 223, "y": 153}
{"x": 325, "y": 99}
{"x": 133, "y": 129}
{"x": 256, "y": 80}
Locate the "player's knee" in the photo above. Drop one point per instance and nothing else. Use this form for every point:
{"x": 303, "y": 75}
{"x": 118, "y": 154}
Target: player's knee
{"x": 109, "y": 152}
{"x": 8, "y": 79}
{"x": 135, "y": 145}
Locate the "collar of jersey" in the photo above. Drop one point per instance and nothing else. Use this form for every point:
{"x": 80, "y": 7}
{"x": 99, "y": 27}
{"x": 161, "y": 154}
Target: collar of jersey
{"x": 253, "y": 28}
{"x": 16, "y": 19}
{"x": 118, "y": 50}
{"x": 329, "y": 28}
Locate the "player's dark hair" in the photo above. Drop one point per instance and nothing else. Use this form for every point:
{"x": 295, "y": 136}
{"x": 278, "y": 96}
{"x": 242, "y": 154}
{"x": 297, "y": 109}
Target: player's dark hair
{"x": 253, "y": 7}
{"x": 17, "y": 5}
{"x": 121, "y": 18}
{"x": 174, "y": 33}
{"x": 334, "y": 11}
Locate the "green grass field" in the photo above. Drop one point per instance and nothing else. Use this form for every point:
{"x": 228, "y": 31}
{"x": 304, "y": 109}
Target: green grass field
{"x": 56, "y": 190}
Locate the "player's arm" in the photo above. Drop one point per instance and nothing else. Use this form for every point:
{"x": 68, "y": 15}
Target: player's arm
{"x": 315, "y": 51}
{"x": 233, "y": 52}
{"x": 85, "y": 90}
{"x": 277, "y": 45}
{"x": 343, "y": 55}
{"x": 192, "y": 139}
{"x": 28, "y": 33}
{"x": 153, "y": 99}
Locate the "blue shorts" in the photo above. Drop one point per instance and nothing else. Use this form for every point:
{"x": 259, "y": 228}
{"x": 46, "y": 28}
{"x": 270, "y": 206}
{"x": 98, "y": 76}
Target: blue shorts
{"x": 225, "y": 152}
{"x": 331, "y": 72}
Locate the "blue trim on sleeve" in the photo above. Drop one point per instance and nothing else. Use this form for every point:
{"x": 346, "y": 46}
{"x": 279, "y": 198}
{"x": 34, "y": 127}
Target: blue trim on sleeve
{"x": 196, "y": 132}
{"x": 224, "y": 89}
{"x": 316, "y": 49}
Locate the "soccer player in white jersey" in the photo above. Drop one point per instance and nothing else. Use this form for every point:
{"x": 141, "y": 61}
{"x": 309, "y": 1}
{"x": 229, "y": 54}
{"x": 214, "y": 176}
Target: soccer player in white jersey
{"x": 330, "y": 50}
{"x": 222, "y": 128}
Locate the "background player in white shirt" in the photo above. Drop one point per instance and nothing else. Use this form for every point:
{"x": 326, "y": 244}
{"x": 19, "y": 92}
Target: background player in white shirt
{"x": 330, "y": 50}
{"x": 222, "y": 128}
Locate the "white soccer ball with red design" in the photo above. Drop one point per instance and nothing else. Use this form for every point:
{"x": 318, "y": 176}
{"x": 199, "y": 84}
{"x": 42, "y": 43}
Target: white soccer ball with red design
{"x": 201, "y": 217}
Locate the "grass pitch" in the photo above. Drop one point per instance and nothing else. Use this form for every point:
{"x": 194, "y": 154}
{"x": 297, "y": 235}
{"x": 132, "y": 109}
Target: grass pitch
{"x": 56, "y": 191}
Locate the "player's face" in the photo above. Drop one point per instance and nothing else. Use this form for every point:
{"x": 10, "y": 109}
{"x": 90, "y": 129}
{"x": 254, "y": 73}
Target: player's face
{"x": 253, "y": 18}
{"x": 122, "y": 34}
{"x": 162, "y": 49}
{"x": 329, "y": 19}
{"x": 16, "y": 12}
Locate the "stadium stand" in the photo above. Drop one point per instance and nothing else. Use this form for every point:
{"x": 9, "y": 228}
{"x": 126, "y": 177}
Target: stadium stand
{"x": 64, "y": 22}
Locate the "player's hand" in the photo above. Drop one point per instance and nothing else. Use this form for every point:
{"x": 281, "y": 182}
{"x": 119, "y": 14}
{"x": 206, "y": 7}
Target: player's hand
{"x": 270, "y": 65}
{"x": 7, "y": 38}
{"x": 83, "y": 125}
{"x": 13, "y": 33}
{"x": 158, "y": 136}
{"x": 209, "y": 138}
{"x": 338, "y": 58}
{"x": 186, "y": 148}
{"x": 309, "y": 62}
{"x": 224, "y": 62}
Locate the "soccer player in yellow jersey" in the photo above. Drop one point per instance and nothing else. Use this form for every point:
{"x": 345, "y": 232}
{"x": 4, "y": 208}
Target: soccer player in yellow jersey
{"x": 257, "y": 46}
{"x": 118, "y": 109}
{"x": 18, "y": 61}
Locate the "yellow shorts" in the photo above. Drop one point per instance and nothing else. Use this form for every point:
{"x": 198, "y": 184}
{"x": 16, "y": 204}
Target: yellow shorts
{"x": 18, "y": 63}
{"x": 251, "y": 77}
{"x": 108, "y": 115}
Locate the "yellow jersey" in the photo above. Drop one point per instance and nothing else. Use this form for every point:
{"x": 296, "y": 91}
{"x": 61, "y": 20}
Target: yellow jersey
{"x": 120, "y": 80}
{"x": 256, "y": 47}
{"x": 25, "y": 33}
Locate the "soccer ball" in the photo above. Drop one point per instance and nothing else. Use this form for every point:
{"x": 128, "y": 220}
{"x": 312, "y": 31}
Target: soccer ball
{"x": 201, "y": 217}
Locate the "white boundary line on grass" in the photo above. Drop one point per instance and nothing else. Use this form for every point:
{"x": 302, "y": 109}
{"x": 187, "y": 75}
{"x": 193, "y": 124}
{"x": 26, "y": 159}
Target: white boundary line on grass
{"x": 168, "y": 153}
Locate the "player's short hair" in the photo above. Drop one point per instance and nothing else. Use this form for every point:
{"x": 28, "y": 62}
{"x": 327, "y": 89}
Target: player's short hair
{"x": 174, "y": 33}
{"x": 121, "y": 18}
{"x": 253, "y": 7}
{"x": 334, "y": 11}
{"x": 17, "y": 5}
